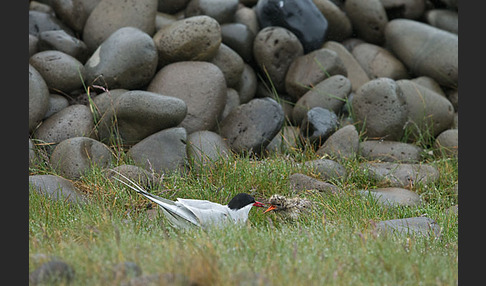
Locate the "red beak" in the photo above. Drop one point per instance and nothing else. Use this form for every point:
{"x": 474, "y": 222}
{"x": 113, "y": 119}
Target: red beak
{"x": 271, "y": 208}
{"x": 258, "y": 204}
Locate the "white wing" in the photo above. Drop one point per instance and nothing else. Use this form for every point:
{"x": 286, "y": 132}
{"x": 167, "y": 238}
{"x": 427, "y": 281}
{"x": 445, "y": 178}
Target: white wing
{"x": 207, "y": 212}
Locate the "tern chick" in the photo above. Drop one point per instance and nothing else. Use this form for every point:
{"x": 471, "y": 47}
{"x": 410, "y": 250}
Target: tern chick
{"x": 290, "y": 208}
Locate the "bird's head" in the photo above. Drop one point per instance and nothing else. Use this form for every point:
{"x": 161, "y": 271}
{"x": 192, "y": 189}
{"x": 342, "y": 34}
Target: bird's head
{"x": 277, "y": 203}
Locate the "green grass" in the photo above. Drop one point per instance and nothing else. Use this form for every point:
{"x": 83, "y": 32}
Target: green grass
{"x": 335, "y": 245}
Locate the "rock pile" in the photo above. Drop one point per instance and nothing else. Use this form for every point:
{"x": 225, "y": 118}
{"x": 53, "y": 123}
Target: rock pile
{"x": 185, "y": 81}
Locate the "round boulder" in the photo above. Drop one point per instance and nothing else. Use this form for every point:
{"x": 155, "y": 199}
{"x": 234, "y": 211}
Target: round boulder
{"x": 251, "y": 126}
{"x": 137, "y": 114}
{"x": 60, "y": 71}
{"x": 111, "y": 15}
{"x": 379, "y": 105}
{"x": 206, "y": 147}
{"x": 73, "y": 157}
{"x": 192, "y": 39}
{"x": 38, "y": 98}
{"x": 201, "y": 85}
{"x": 137, "y": 68}
{"x": 425, "y": 50}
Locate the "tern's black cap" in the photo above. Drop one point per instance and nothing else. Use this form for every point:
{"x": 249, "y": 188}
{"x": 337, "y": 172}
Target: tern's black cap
{"x": 241, "y": 200}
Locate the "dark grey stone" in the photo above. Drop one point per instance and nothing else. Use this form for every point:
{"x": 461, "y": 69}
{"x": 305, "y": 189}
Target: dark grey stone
{"x": 222, "y": 11}
{"x": 447, "y": 143}
{"x": 329, "y": 94}
{"x": 204, "y": 148}
{"x": 318, "y": 124}
{"x": 230, "y": 63}
{"x": 300, "y": 183}
{"x": 60, "y": 71}
{"x": 137, "y": 114}
{"x": 61, "y": 41}
{"x": 55, "y": 272}
{"x": 239, "y": 38}
{"x": 74, "y": 13}
{"x": 274, "y": 49}
{"x": 136, "y": 47}
{"x": 390, "y": 151}
{"x": 401, "y": 175}
{"x": 111, "y": 15}
{"x": 201, "y": 85}
{"x": 326, "y": 169}
{"x": 247, "y": 85}
{"x": 301, "y": 17}
{"x": 380, "y": 107}
{"x": 56, "y": 103}
{"x": 38, "y": 98}
{"x": 339, "y": 24}
{"x": 368, "y": 18}
{"x": 342, "y": 144}
{"x": 425, "y": 50}
{"x": 393, "y": 196}
{"x": 251, "y": 126}
{"x": 161, "y": 152}
{"x": 422, "y": 226}
{"x": 192, "y": 39}
{"x": 310, "y": 69}
{"x": 72, "y": 121}
{"x": 41, "y": 21}
{"x": 56, "y": 188}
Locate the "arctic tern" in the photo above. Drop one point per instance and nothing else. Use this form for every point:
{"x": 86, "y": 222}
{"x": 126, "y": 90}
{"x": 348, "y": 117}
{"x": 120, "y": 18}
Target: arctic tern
{"x": 185, "y": 213}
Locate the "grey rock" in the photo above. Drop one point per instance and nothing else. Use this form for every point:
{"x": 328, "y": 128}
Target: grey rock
{"x": 274, "y": 49}
{"x": 340, "y": 27}
{"x": 429, "y": 83}
{"x": 318, "y": 124}
{"x": 161, "y": 152}
{"x": 251, "y": 126}
{"x": 390, "y": 151}
{"x": 444, "y": 19}
{"x": 162, "y": 20}
{"x": 136, "y": 47}
{"x": 369, "y": 19}
{"x": 192, "y": 39}
{"x": 56, "y": 103}
{"x": 393, "y": 196}
{"x": 428, "y": 112}
{"x": 74, "y": 13}
{"x": 33, "y": 41}
{"x": 137, "y": 114}
{"x": 73, "y": 157}
{"x": 41, "y": 21}
{"x": 232, "y": 101}
{"x": 61, "y": 41}
{"x": 326, "y": 169}
{"x": 287, "y": 139}
{"x": 379, "y": 62}
{"x": 72, "y": 121}
{"x": 401, "y": 175}
{"x": 230, "y": 63}
{"x": 111, "y": 15}
{"x": 300, "y": 183}
{"x": 422, "y": 226}
{"x": 32, "y": 155}
{"x": 447, "y": 143}
{"x": 247, "y": 85}
{"x": 408, "y": 9}
{"x": 342, "y": 144}
{"x": 38, "y": 98}
{"x": 137, "y": 174}
{"x": 425, "y": 50}
{"x": 204, "y": 148}
{"x": 330, "y": 94}
{"x": 56, "y": 188}
{"x": 239, "y": 38}
{"x": 201, "y": 85}
{"x": 54, "y": 272}
{"x": 60, "y": 71}
{"x": 105, "y": 101}
{"x": 355, "y": 73}
{"x": 380, "y": 107}
{"x": 247, "y": 16}
{"x": 221, "y": 10}
{"x": 126, "y": 269}
{"x": 310, "y": 69}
